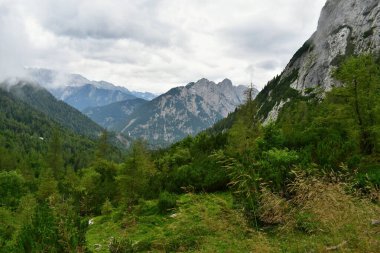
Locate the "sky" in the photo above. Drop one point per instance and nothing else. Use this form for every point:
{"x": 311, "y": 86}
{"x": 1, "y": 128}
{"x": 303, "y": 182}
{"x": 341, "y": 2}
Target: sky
{"x": 154, "y": 45}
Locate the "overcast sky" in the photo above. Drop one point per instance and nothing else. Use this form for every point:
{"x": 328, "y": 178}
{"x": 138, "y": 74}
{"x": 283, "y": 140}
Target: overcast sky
{"x": 153, "y": 45}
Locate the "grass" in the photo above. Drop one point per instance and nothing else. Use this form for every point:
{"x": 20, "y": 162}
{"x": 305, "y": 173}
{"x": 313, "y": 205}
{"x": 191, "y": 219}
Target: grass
{"x": 208, "y": 223}
{"x": 201, "y": 223}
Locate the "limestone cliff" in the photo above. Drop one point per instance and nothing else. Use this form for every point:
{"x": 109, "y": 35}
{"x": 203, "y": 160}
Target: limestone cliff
{"x": 345, "y": 27}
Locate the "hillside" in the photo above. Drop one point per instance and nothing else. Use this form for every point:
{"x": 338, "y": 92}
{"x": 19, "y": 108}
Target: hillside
{"x": 109, "y": 116}
{"x": 58, "y": 111}
{"x": 25, "y": 134}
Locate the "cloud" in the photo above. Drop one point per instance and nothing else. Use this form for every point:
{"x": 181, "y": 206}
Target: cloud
{"x": 14, "y": 46}
{"x": 268, "y": 65}
{"x": 156, "y": 44}
{"x": 97, "y": 19}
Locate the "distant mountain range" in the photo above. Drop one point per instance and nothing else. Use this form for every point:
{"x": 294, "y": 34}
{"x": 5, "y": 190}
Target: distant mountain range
{"x": 82, "y": 93}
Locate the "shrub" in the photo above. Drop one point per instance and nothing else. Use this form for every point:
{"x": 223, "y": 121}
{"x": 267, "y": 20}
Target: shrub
{"x": 107, "y": 207}
{"x": 166, "y": 202}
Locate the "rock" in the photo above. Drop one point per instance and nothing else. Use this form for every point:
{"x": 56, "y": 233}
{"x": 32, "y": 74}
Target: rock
{"x": 375, "y": 222}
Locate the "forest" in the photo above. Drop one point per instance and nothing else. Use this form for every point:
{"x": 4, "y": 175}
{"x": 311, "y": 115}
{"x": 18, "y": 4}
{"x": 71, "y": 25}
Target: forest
{"x": 309, "y": 182}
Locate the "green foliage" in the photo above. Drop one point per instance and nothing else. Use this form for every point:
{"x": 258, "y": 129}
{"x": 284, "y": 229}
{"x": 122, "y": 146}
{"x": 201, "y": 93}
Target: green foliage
{"x": 343, "y": 128}
{"x": 188, "y": 164}
{"x": 361, "y": 76}
{"x": 135, "y": 174}
{"x": 12, "y": 188}
{"x": 277, "y": 90}
{"x": 42, "y": 234}
{"x": 103, "y": 148}
{"x": 7, "y": 228}
{"x": 107, "y": 207}
{"x": 58, "y": 111}
{"x": 97, "y": 184}
{"x": 54, "y": 156}
{"x": 306, "y": 222}
{"x": 166, "y": 202}
{"x": 48, "y": 185}
{"x": 275, "y": 167}
{"x": 26, "y": 134}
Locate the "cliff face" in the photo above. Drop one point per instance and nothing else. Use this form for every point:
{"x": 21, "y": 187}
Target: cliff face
{"x": 345, "y": 27}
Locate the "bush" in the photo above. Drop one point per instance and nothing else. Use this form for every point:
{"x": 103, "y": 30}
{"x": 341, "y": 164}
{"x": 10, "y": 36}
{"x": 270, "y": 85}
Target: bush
{"x": 166, "y": 202}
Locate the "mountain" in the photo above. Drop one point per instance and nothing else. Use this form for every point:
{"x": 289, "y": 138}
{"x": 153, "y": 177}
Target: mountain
{"x": 89, "y": 95}
{"x": 109, "y": 116}
{"x": 345, "y": 27}
{"x": 41, "y": 100}
{"x": 80, "y": 92}
{"x": 144, "y": 95}
{"x": 182, "y": 111}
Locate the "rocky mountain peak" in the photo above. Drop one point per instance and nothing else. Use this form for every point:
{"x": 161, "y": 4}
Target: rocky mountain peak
{"x": 226, "y": 82}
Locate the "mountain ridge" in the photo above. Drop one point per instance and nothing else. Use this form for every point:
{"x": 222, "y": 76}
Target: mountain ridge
{"x": 81, "y": 92}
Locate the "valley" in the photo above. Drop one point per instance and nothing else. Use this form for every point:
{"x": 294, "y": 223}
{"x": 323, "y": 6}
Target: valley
{"x": 207, "y": 166}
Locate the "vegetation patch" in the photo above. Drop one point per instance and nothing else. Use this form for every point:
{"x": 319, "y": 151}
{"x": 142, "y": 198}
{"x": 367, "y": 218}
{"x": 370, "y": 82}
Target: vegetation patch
{"x": 276, "y": 90}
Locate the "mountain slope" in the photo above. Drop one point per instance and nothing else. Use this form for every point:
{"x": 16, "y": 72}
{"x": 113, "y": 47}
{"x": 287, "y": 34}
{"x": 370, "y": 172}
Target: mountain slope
{"x": 109, "y": 115}
{"x": 25, "y": 134}
{"x": 183, "y": 111}
{"x": 42, "y": 101}
{"x": 345, "y": 27}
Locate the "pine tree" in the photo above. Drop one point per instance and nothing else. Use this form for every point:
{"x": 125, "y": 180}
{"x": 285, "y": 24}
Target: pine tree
{"x": 103, "y": 148}
{"x": 54, "y": 156}
{"x": 361, "y": 79}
